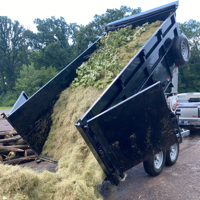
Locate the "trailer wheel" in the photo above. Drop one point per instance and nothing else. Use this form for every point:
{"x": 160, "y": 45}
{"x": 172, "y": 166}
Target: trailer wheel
{"x": 154, "y": 165}
{"x": 172, "y": 153}
{"x": 181, "y": 50}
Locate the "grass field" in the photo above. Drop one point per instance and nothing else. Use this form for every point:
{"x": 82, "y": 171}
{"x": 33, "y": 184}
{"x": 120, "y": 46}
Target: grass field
{"x": 5, "y": 108}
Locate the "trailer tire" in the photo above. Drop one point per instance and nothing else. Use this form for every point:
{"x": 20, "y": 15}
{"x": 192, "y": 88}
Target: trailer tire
{"x": 181, "y": 50}
{"x": 172, "y": 153}
{"x": 154, "y": 165}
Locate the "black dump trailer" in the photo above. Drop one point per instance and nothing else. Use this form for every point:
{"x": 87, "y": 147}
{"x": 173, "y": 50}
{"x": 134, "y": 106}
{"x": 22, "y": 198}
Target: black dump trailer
{"x": 130, "y": 122}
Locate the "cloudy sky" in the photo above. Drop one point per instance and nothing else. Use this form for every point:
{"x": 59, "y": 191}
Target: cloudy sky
{"x": 83, "y": 11}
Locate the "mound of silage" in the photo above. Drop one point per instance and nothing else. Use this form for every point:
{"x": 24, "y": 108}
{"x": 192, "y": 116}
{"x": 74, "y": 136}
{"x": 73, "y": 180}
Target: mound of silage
{"x": 78, "y": 172}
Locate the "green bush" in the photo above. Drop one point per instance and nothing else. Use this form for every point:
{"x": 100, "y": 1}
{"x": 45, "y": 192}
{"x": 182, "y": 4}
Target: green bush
{"x": 31, "y": 80}
{"x": 8, "y": 99}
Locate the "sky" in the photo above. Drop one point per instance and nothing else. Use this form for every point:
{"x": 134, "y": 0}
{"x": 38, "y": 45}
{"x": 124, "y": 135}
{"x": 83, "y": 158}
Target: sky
{"x": 83, "y": 11}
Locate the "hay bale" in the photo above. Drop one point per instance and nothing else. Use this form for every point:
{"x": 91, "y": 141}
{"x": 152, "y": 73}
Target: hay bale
{"x": 78, "y": 171}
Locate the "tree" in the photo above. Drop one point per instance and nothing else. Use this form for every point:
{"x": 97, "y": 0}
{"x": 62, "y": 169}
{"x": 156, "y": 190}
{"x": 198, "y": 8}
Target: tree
{"x": 12, "y": 44}
{"x": 111, "y": 15}
{"x": 189, "y": 78}
{"x": 47, "y": 73}
{"x": 192, "y": 30}
{"x": 30, "y": 79}
{"x": 50, "y": 31}
{"x": 52, "y": 43}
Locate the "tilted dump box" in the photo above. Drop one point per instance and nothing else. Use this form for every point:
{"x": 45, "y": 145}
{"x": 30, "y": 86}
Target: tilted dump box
{"x": 130, "y": 121}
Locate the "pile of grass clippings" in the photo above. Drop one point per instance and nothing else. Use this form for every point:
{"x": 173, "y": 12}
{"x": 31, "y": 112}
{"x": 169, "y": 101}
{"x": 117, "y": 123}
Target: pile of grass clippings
{"x": 78, "y": 172}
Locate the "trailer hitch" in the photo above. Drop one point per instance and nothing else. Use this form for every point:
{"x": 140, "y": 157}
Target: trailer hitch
{"x": 3, "y": 115}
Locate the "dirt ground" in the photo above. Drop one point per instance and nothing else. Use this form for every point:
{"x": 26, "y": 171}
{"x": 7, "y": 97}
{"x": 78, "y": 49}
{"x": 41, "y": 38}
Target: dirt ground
{"x": 180, "y": 181}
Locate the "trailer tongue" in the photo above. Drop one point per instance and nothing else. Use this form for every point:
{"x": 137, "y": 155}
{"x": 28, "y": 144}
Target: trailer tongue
{"x": 130, "y": 122}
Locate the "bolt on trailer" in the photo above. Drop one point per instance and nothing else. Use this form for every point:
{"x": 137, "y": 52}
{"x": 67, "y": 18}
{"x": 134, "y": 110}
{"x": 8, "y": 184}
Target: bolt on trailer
{"x": 130, "y": 122}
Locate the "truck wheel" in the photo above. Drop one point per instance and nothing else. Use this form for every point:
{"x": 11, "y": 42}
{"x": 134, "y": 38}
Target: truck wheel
{"x": 181, "y": 50}
{"x": 154, "y": 165}
{"x": 172, "y": 153}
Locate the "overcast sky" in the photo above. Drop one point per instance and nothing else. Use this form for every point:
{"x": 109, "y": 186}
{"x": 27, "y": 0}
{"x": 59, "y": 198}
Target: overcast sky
{"x": 83, "y": 11}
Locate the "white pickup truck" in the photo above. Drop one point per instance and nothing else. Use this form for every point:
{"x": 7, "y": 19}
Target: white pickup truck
{"x": 187, "y": 106}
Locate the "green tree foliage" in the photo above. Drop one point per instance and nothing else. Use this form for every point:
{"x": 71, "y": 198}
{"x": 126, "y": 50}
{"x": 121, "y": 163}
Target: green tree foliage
{"x": 30, "y": 79}
{"x": 8, "y": 98}
{"x": 192, "y": 30}
{"x": 50, "y": 31}
{"x": 111, "y": 15}
{"x": 189, "y": 77}
{"x": 13, "y": 52}
{"x": 47, "y": 73}
{"x": 52, "y": 43}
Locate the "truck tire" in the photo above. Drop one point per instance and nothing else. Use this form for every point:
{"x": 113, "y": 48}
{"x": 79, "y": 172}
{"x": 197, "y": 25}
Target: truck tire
{"x": 181, "y": 50}
{"x": 154, "y": 165}
{"x": 172, "y": 153}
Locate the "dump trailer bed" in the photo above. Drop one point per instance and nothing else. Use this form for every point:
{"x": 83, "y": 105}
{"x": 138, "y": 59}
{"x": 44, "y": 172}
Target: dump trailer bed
{"x": 130, "y": 121}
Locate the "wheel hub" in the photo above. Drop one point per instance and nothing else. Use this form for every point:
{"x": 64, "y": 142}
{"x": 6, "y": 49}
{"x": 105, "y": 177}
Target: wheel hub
{"x": 158, "y": 159}
{"x": 184, "y": 50}
{"x": 173, "y": 152}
